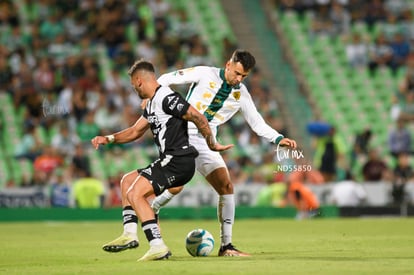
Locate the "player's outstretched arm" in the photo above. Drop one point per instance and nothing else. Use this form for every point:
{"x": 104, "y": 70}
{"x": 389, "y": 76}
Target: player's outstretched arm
{"x": 127, "y": 135}
{"x": 202, "y": 124}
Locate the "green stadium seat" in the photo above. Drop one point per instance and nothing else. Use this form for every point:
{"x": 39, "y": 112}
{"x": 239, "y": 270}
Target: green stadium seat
{"x": 98, "y": 168}
{"x": 331, "y": 115}
{"x": 21, "y": 170}
{"x": 289, "y": 19}
{"x": 306, "y": 21}
{"x": 309, "y": 66}
{"x": 9, "y": 145}
{"x": 131, "y": 33}
{"x": 358, "y": 78}
{"x": 5, "y": 174}
{"x": 322, "y": 45}
{"x": 139, "y": 157}
{"x": 352, "y": 99}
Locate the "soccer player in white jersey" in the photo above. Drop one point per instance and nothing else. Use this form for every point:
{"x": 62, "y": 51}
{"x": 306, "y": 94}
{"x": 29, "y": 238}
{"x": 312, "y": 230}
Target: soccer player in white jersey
{"x": 219, "y": 94}
{"x": 166, "y": 113}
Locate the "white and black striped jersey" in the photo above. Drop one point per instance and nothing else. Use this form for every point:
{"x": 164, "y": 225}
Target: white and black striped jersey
{"x": 164, "y": 113}
{"x": 210, "y": 94}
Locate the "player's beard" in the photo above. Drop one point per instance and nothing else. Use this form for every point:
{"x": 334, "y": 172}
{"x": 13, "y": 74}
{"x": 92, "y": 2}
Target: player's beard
{"x": 139, "y": 92}
{"x": 234, "y": 83}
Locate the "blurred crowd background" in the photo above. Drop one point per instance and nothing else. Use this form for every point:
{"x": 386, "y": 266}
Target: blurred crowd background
{"x": 63, "y": 81}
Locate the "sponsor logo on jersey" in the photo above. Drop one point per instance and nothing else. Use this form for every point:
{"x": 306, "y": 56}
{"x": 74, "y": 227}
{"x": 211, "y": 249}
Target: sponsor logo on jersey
{"x": 155, "y": 123}
{"x": 153, "y": 119}
{"x": 147, "y": 171}
{"x": 212, "y": 85}
{"x": 200, "y": 106}
{"x": 210, "y": 112}
{"x": 181, "y": 72}
{"x": 173, "y": 104}
{"x": 207, "y": 95}
{"x": 169, "y": 98}
{"x": 236, "y": 95}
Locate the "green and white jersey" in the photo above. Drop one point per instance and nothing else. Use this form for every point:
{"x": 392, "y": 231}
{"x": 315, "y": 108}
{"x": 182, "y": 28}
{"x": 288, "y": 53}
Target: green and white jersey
{"x": 210, "y": 94}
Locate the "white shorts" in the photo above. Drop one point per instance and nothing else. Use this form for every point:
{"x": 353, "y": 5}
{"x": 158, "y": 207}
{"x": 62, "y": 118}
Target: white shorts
{"x": 207, "y": 160}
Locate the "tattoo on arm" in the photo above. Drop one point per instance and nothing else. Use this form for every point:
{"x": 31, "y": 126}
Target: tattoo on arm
{"x": 202, "y": 124}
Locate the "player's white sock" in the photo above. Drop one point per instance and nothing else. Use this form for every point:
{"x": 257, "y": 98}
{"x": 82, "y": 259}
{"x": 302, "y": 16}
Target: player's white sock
{"x": 161, "y": 200}
{"x": 225, "y": 212}
{"x": 130, "y": 221}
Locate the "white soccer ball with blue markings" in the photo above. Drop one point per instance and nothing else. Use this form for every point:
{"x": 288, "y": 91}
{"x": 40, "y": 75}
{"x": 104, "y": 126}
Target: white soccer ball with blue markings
{"x": 199, "y": 242}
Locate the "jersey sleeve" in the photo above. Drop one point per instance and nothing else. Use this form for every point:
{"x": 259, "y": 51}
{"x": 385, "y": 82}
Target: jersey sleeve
{"x": 184, "y": 76}
{"x": 255, "y": 119}
{"x": 174, "y": 104}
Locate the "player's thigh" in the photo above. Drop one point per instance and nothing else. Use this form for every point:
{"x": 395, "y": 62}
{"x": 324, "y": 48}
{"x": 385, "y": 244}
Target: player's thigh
{"x": 140, "y": 188}
{"x": 128, "y": 179}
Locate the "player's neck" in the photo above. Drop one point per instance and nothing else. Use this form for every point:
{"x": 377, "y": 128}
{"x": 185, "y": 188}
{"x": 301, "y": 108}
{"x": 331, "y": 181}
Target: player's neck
{"x": 153, "y": 88}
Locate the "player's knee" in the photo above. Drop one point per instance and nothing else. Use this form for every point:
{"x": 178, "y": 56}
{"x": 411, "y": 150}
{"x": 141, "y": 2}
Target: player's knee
{"x": 130, "y": 194}
{"x": 226, "y": 188}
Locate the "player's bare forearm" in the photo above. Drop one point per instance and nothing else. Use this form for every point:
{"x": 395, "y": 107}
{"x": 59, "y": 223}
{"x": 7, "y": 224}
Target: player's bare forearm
{"x": 202, "y": 124}
{"x": 127, "y": 135}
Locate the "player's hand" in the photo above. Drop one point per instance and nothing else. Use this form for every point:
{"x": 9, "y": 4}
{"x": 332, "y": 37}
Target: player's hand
{"x": 288, "y": 142}
{"x": 98, "y": 140}
{"x": 218, "y": 147}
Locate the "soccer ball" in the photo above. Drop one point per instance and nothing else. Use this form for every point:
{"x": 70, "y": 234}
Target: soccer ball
{"x": 199, "y": 242}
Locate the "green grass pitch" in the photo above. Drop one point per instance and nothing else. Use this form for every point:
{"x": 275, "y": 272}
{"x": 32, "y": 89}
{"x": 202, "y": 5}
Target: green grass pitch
{"x": 279, "y": 246}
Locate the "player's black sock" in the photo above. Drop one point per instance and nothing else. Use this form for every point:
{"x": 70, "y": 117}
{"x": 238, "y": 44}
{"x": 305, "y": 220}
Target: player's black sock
{"x": 151, "y": 230}
{"x": 129, "y": 215}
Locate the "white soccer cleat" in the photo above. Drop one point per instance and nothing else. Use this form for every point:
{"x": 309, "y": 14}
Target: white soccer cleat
{"x": 156, "y": 252}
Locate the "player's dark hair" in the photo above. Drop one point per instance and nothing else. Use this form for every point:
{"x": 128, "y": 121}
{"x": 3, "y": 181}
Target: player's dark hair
{"x": 141, "y": 65}
{"x": 245, "y": 58}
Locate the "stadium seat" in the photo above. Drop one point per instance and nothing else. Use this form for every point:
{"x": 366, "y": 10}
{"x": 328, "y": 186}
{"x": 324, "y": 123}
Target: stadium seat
{"x": 5, "y": 174}
{"x": 21, "y": 170}
{"x": 97, "y": 164}
{"x": 335, "y": 88}
{"x": 289, "y": 19}
{"x": 131, "y": 33}
{"x": 139, "y": 157}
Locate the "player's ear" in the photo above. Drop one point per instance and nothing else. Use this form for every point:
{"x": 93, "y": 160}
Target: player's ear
{"x": 139, "y": 82}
